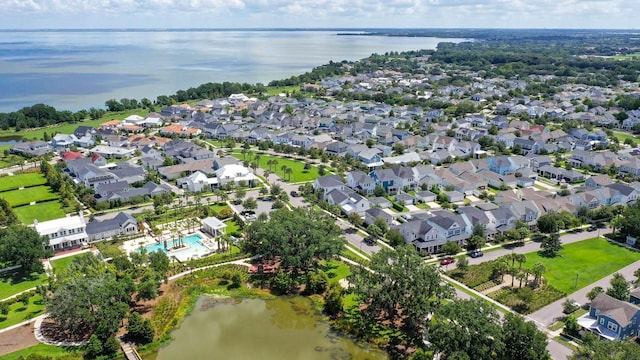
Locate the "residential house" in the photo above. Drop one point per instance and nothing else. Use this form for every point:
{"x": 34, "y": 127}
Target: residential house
{"x": 372, "y": 214}
{"x": 328, "y": 183}
{"x": 348, "y": 200}
{"x": 361, "y": 182}
{"x": 611, "y": 318}
{"x": 121, "y": 224}
{"x": 32, "y": 148}
{"x": 64, "y": 233}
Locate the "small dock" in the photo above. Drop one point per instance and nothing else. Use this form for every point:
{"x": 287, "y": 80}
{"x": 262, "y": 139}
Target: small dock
{"x": 129, "y": 351}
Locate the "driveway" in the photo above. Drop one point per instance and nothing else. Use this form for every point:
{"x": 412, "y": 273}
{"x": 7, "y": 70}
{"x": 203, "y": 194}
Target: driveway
{"x": 355, "y": 239}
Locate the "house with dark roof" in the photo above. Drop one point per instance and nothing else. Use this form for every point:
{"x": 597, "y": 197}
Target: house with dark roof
{"x": 371, "y": 215}
{"x": 328, "y": 183}
{"x": 611, "y": 318}
{"x": 121, "y": 224}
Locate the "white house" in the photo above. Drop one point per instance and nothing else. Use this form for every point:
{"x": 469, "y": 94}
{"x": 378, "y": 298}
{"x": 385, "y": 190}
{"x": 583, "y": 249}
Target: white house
{"x": 121, "y": 224}
{"x": 63, "y": 233}
{"x": 198, "y": 181}
{"x": 235, "y": 173}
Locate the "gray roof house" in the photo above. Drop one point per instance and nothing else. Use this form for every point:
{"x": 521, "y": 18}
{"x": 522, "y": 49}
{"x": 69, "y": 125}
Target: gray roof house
{"x": 121, "y": 224}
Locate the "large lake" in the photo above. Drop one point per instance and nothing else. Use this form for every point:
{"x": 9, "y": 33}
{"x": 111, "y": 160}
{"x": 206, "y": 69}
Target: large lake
{"x": 279, "y": 329}
{"x": 79, "y": 69}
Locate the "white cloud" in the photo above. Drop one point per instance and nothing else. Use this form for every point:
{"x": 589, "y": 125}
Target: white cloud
{"x": 326, "y": 13}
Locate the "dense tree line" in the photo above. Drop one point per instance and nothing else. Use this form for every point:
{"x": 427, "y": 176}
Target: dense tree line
{"x": 22, "y": 245}
{"x": 7, "y": 216}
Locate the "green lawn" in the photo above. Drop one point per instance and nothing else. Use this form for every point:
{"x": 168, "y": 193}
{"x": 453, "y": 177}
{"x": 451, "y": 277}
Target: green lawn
{"x": 37, "y": 134}
{"x": 63, "y": 263}
{"x": 276, "y": 90}
{"x": 231, "y": 227}
{"x": 43, "y": 211}
{"x": 19, "y": 313}
{"x": 13, "y": 282}
{"x": 588, "y": 260}
{"x": 298, "y": 173}
{"x": 21, "y": 180}
{"x": 26, "y": 196}
{"x": 622, "y": 136}
{"x": 335, "y": 270}
{"x": 40, "y": 349}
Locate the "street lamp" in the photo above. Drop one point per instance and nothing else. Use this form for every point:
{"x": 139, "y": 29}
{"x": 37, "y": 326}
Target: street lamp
{"x": 576, "y": 286}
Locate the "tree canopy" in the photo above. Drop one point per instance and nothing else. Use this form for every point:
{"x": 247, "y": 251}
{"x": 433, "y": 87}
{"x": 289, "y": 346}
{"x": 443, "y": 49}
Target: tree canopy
{"x": 298, "y": 238}
{"x": 22, "y": 245}
{"x": 399, "y": 288}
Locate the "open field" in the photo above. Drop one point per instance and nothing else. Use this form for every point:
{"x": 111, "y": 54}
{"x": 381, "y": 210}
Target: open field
{"x": 13, "y": 282}
{"x": 28, "y": 195}
{"x": 19, "y": 313}
{"x": 48, "y": 351}
{"x": 622, "y": 136}
{"x": 634, "y": 56}
{"x": 585, "y": 261}
{"x": 43, "y": 211}
{"x": 276, "y": 90}
{"x": 21, "y": 180}
{"x": 298, "y": 173}
{"x": 63, "y": 263}
{"x": 37, "y": 134}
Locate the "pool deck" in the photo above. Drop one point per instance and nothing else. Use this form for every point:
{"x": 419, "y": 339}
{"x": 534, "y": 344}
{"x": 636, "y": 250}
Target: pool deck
{"x": 181, "y": 254}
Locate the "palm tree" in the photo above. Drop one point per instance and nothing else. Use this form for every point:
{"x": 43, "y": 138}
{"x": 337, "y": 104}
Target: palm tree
{"x": 266, "y": 175}
{"x": 520, "y": 258}
{"x": 257, "y": 158}
{"x": 521, "y": 276}
{"x": 501, "y": 266}
{"x": 537, "y": 270}
{"x": 283, "y": 168}
{"x": 244, "y": 153}
{"x": 288, "y": 171}
{"x": 254, "y": 166}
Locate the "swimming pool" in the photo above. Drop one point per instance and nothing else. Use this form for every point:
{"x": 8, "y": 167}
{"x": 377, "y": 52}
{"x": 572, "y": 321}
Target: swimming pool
{"x": 194, "y": 248}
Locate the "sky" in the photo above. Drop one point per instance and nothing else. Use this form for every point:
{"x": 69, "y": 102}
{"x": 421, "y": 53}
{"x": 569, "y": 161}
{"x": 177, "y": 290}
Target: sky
{"x": 70, "y": 14}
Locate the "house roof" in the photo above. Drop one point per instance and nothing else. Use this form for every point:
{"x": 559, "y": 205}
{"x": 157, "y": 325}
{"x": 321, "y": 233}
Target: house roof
{"x": 96, "y": 226}
{"x": 620, "y": 311}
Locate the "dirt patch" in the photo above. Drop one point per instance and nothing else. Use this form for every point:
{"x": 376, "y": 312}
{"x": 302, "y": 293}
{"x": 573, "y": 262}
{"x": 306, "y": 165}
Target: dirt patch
{"x": 52, "y": 332}
{"x": 17, "y": 339}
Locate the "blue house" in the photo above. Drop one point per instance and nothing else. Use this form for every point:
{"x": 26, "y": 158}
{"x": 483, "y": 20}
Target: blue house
{"x": 500, "y": 164}
{"x": 611, "y": 318}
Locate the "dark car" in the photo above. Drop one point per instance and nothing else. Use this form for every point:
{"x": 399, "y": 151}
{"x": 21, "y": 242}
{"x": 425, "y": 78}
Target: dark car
{"x": 447, "y": 261}
{"x": 294, "y": 193}
{"x": 477, "y": 254}
{"x": 592, "y": 228}
{"x": 267, "y": 198}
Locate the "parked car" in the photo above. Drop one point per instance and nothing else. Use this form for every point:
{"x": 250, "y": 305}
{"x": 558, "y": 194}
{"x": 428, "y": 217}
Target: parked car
{"x": 447, "y": 261}
{"x": 592, "y": 228}
{"x": 477, "y": 254}
{"x": 251, "y": 217}
{"x": 294, "y": 193}
{"x": 267, "y": 198}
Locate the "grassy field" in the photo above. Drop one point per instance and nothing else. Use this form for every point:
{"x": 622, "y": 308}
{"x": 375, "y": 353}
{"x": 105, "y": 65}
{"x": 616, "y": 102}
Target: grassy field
{"x": 298, "y": 173}
{"x": 588, "y": 260}
{"x": 622, "y": 136}
{"x": 44, "y": 350}
{"x": 21, "y": 180}
{"x": 634, "y": 56}
{"x": 37, "y": 134}
{"x": 26, "y": 196}
{"x": 13, "y": 282}
{"x": 43, "y": 211}
{"x": 63, "y": 263}
{"x": 19, "y": 313}
{"x": 282, "y": 89}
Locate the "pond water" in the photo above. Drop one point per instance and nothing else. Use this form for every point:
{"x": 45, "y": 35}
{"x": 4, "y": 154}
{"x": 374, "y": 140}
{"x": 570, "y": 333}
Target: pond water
{"x": 279, "y": 329}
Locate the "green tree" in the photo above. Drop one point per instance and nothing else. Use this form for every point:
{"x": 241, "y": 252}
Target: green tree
{"x": 300, "y": 238}
{"x": 451, "y": 248}
{"x": 399, "y": 288}
{"x": 159, "y": 262}
{"x": 139, "y": 330}
{"x": 333, "y": 300}
{"x": 355, "y": 219}
{"x": 462, "y": 264}
{"x": 22, "y": 245}
{"x": 467, "y": 329}
{"x": 594, "y": 348}
{"x": 594, "y": 292}
{"x": 94, "y": 347}
{"x": 250, "y": 203}
{"x": 551, "y": 245}
{"x": 522, "y": 340}
{"x": 538, "y": 270}
{"x": 379, "y": 191}
{"x": 394, "y": 238}
{"x": 548, "y": 223}
{"x": 619, "y": 288}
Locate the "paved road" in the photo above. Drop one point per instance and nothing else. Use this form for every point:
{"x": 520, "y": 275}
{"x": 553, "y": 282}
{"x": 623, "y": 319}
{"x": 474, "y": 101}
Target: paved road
{"x": 355, "y": 239}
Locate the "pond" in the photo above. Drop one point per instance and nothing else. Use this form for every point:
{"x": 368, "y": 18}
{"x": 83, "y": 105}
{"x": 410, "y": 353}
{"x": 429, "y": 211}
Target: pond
{"x": 279, "y": 329}
{"x": 10, "y": 140}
